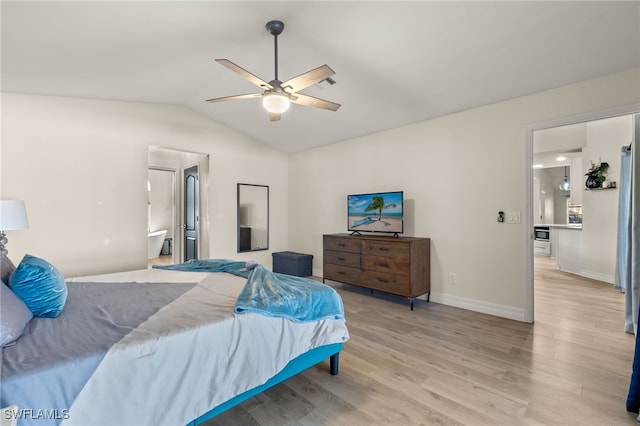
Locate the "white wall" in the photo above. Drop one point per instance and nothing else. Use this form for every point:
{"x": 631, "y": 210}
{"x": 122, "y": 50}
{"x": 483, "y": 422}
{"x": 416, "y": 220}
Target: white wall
{"x": 605, "y": 138}
{"x": 81, "y": 167}
{"x": 457, "y": 172}
{"x": 561, "y": 138}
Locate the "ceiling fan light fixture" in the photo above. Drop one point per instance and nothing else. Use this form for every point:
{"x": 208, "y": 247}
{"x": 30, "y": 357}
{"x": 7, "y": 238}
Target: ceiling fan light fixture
{"x": 275, "y": 103}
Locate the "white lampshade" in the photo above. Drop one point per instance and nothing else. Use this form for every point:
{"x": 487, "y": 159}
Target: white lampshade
{"x": 13, "y": 215}
{"x": 275, "y": 102}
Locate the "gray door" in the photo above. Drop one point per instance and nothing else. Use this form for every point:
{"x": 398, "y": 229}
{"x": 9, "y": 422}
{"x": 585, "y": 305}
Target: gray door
{"x": 191, "y": 219}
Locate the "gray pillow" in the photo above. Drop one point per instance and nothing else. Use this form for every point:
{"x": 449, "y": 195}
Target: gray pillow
{"x": 6, "y": 268}
{"x": 14, "y": 318}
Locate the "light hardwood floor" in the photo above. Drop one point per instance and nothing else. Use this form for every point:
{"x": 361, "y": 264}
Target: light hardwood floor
{"x": 449, "y": 366}
{"x": 165, "y": 259}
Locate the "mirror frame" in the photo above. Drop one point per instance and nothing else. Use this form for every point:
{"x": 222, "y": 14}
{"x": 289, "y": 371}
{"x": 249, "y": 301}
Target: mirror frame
{"x": 241, "y": 250}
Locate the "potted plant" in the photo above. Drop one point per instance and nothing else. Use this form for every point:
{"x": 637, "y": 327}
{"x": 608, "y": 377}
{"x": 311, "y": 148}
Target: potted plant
{"x": 596, "y": 175}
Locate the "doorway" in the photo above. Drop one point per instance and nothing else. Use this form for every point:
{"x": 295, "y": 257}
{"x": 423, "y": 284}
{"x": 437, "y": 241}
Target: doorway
{"x": 161, "y": 211}
{"x": 577, "y": 176}
{"x": 189, "y": 234}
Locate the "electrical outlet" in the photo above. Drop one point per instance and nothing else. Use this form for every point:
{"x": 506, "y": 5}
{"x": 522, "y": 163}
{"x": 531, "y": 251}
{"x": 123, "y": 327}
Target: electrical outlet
{"x": 513, "y": 217}
{"x": 452, "y": 277}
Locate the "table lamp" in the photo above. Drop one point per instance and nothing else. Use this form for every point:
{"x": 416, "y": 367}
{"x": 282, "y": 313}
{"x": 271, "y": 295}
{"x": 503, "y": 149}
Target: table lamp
{"x": 13, "y": 216}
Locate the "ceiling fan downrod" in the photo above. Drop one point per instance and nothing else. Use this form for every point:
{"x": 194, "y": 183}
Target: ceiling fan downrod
{"x": 275, "y": 28}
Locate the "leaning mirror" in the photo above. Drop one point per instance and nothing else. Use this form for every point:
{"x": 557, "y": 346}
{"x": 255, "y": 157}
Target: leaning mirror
{"x": 253, "y": 217}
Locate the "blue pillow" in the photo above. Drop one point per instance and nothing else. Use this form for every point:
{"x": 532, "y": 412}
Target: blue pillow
{"x": 40, "y": 286}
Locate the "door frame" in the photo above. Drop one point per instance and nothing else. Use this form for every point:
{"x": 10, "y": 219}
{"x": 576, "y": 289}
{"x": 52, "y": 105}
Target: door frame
{"x": 528, "y": 214}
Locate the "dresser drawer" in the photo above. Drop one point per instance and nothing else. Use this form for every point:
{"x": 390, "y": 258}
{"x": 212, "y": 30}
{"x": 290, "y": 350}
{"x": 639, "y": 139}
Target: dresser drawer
{"x": 342, "y": 244}
{"x": 389, "y": 264}
{"x": 340, "y": 273}
{"x": 391, "y": 283}
{"x": 397, "y": 251}
{"x": 342, "y": 258}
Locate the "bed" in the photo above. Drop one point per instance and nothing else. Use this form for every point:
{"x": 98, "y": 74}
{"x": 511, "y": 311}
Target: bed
{"x": 166, "y": 346}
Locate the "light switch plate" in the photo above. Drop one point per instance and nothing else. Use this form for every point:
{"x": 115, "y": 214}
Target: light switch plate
{"x": 513, "y": 217}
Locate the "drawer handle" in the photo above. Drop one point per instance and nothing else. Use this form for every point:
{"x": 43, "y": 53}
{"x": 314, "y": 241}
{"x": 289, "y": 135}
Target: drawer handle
{"x": 341, "y": 258}
{"x": 383, "y": 249}
{"x": 382, "y": 280}
{"x": 384, "y": 265}
{"x": 341, "y": 244}
{"x": 340, "y": 273}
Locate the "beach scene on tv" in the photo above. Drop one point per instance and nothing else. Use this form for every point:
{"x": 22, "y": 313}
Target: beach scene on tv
{"x": 380, "y": 212}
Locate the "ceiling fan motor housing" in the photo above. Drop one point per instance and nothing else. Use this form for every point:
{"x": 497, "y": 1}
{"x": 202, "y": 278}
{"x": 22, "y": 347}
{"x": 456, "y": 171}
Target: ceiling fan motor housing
{"x": 275, "y": 27}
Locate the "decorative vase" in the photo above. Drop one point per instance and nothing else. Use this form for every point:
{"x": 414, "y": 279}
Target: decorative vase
{"x": 592, "y": 182}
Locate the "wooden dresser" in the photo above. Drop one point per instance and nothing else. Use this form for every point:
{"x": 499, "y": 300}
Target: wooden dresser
{"x": 394, "y": 265}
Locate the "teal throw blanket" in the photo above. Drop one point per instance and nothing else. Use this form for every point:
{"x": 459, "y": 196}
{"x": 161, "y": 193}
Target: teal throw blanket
{"x": 210, "y": 265}
{"x": 273, "y": 294}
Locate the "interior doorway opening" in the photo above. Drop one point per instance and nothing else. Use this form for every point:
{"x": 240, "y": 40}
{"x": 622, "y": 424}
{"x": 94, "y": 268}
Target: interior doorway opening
{"x": 579, "y": 158}
{"x": 168, "y": 200}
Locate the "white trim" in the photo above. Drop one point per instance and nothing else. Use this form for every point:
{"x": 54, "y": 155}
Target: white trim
{"x": 528, "y": 225}
{"x": 597, "y": 276}
{"x": 502, "y": 311}
{"x": 528, "y": 213}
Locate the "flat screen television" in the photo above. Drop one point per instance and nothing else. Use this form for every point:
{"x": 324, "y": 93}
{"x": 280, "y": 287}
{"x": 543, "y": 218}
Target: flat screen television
{"x": 376, "y": 212}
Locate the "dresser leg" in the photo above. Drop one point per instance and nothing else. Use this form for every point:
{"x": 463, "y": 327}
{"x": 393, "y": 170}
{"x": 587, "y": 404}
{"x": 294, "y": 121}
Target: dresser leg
{"x": 428, "y": 296}
{"x": 411, "y": 299}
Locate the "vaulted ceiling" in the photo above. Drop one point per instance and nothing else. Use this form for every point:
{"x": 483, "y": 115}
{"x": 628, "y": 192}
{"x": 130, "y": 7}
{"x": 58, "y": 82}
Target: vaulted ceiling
{"x": 396, "y": 63}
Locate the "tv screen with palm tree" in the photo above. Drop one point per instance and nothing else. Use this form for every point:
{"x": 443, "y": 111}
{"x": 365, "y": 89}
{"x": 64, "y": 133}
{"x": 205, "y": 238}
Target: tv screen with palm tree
{"x": 376, "y": 212}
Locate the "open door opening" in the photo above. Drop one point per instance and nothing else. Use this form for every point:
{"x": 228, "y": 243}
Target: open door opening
{"x": 187, "y": 235}
{"x": 583, "y": 242}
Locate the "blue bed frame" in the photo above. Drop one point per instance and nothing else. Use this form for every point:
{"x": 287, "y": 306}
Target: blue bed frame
{"x": 295, "y": 366}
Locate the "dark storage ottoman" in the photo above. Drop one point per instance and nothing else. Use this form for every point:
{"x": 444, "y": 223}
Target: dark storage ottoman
{"x": 291, "y": 263}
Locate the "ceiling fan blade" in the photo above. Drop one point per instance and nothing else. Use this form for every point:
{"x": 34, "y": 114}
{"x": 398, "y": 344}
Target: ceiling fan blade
{"x": 307, "y": 100}
{"x": 274, "y": 116}
{"x": 308, "y": 78}
{"x": 244, "y": 73}
{"x": 235, "y": 97}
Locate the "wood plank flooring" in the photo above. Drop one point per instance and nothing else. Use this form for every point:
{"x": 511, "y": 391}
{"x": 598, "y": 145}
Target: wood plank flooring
{"x": 449, "y": 366}
{"x": 164, "y": 259}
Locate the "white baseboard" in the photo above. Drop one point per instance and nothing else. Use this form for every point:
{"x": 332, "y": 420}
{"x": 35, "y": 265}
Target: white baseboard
{"x": 479, "y": 306}
{"x": 470, "y": 304}
{"x": 598, "y": 276}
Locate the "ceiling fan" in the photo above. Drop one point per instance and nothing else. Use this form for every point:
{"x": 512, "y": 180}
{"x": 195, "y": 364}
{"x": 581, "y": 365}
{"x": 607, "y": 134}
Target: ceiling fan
{"x": 277, "y": 95}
